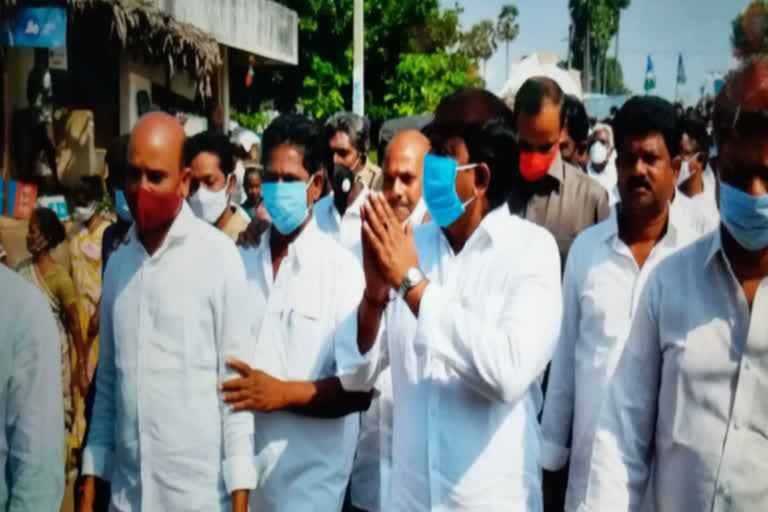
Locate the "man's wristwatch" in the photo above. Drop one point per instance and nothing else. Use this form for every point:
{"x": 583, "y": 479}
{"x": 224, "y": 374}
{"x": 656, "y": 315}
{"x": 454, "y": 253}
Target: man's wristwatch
{"x": 413, "y": 277}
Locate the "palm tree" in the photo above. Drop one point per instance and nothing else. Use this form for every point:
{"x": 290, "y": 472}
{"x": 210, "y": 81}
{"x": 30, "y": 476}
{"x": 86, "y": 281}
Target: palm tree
{"x": 507, "y": 28}
{"x": 479, "y": 42}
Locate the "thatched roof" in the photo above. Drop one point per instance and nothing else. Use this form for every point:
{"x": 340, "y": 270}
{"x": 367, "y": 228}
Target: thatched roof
{"x": 150, "y": 32}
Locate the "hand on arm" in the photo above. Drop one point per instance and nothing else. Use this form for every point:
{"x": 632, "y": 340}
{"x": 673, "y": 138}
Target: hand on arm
{"x": 257, "y": 391}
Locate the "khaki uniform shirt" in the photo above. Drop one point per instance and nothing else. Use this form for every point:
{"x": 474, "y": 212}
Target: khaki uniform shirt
{"x": 371, "y": 176}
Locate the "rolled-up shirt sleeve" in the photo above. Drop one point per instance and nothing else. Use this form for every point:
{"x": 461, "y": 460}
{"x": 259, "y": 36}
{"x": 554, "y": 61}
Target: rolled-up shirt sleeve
{"x": 34, "y": 416}
{"x": 356, "y": 371}
{"x": 499, "y": 349}
{"x": 97, "y": 456}
{"x": 621, "y": 454}
{"x": 234, "y": 341}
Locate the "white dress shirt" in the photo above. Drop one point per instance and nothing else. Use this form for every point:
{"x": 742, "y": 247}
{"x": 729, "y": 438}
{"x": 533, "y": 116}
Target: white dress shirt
{"x": 303, "y": 463}
{"x": 601, "y": 287}
{"x": 706, "y": 202}
{"x": 369, "y": 484}
{"x": 160, "y": 431}
{"x": 702, "y": 218}
{"x": 31, "y": 408}
{"x": 465, "y": 372}
{"x": 344, "y": 229}
{"x": 688, "y": 404}
{"x": 608, "y": 178}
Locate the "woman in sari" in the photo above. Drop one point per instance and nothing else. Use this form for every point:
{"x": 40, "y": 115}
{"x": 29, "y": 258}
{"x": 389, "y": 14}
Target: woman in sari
{"x": 85, "y": 253}
{"x": 45, "y": 233}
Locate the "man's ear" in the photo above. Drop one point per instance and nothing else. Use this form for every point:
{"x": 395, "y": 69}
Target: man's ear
{"x": 316, "y": 187}
{"x": 677, "y": 162}
{"x": 231, "y": 183}
{"x": 482, "y": 177}
{"x": 186, "y": 178}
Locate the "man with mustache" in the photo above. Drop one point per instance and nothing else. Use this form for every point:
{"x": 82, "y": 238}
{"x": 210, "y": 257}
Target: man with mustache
{"x": 683, "y": 424}
{"x": 607, "y": 269}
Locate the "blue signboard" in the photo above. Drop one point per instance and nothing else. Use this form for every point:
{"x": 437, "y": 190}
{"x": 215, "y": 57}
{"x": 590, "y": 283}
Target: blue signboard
{"x": 35, "y": 27}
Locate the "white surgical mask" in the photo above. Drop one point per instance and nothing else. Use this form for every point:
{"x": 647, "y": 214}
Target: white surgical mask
{"x": 209, "y": 205}
{"x": 83, "y": 214}
{"x": 598, "y": 153}
{"x": 685, "y": 172}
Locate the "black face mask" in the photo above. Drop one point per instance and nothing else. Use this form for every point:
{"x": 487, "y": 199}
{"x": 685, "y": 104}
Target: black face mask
{"x": 342, "y": 182}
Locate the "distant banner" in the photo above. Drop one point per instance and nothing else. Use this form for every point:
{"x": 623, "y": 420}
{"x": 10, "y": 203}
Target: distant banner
{"x": 35, "y": 27}
{"x": 21, "y": 198}
{"x": 56, "y": 203}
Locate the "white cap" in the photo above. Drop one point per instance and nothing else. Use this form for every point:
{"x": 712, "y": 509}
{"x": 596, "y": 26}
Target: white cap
{"x": 244, "y": 138}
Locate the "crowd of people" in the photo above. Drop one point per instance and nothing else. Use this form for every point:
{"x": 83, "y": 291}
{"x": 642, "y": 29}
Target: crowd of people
{"x": 521, "y": 309}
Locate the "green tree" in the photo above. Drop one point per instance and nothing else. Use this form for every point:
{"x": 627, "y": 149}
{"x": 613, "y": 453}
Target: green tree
{"x": 614, "y": 80}
{"x": 749, "y": 30}
{"x": 479, "y": 42}
{"x": 440, "y": 32}
{"x": 507, "y": 29}
{"x": 603, "y": 17}
{"x": 422, "y": 80}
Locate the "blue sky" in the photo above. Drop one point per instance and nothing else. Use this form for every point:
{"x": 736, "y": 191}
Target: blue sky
{"x": 700, "y": 29}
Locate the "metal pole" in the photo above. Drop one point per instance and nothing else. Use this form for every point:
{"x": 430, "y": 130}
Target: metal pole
{"x": 358, "y": 98}
{"x": 570, "y": 41}
{"x": 6, "y": 137}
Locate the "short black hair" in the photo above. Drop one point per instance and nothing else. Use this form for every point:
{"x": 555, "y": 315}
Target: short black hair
{"x": 357, "y": 128}
{"x": 210, "y": 142}
{"x": 644, "y": 115}
{"x": 117, "y": 162}
{"x": 50, "y": 226}
{"x": 531, "y": 95}
{"x": 251, "y": 170}
{"x": 297, "y": 131}
{"x": 465, "y": 97}
{"x": 493, "y": 143}
{"x": 89, "y": 188}
{"x": 696, "y": 128}
{"x": 576, "y": 119}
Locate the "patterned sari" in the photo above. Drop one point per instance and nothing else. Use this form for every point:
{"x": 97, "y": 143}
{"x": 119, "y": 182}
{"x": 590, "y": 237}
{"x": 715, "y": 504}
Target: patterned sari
{"x": 51, "y": 286}
{"x": 85, "y": 253}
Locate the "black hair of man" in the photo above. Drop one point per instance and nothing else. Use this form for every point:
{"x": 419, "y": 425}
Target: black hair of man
{"x": 117, "y": 162}
{"x": 89, "y": 188}
{"x": 214, "y": 143}
{"x": 357, "y": 128}
{"x": 644, "y": 115}
{"x": 576, "y": 119}
{"x": 481, "y": 104}
{"x": 50, "y": 226}
{"x": 696, "y": 128}
{"x": 249, "y": 171}
{"x": 534, "y": 92}
{"x": 299, "y": 132}
{"x": 493, "y": 143}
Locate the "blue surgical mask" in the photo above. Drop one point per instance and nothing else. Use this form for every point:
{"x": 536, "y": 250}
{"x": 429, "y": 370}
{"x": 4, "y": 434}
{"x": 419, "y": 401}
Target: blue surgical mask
{"x": 439, "y": 183}
{"x": 121, "y": 206}
{"x": 745, "y": 217}
{"x": 286, "y": 204}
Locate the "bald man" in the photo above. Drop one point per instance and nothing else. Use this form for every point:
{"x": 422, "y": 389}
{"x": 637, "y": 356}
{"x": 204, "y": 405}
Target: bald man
{"x": 403, "y": 166}
{"x": 173, "y": 311}
{"x": 369, "y": 485}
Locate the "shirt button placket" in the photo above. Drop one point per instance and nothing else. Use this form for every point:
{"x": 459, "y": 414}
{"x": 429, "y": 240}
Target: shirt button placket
{"x": 144, "y": 330}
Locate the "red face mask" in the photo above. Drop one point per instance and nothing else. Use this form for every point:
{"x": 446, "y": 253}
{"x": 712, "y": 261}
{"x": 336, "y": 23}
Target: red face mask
{"x": 534, "y": 165}
{"x": 153, "y": 209}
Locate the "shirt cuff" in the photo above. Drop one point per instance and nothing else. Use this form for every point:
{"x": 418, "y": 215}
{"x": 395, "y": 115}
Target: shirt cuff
{"x": 553, "y": 456}
{"x": 239, "y": 473}
{"x": 97, "y": 461}
{"x": 357, "y": 371}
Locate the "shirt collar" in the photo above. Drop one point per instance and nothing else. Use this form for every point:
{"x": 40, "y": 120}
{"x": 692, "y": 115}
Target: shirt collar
{"x": 556, "y": 168}
{"x": 419, "y": 212}
{"x": 676, "y": 226}
{"x": 304, "y": 247}
{"x": 715, "y": 246}
{"x": 496, "y": 224}
{"x": 179, "y": 229}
